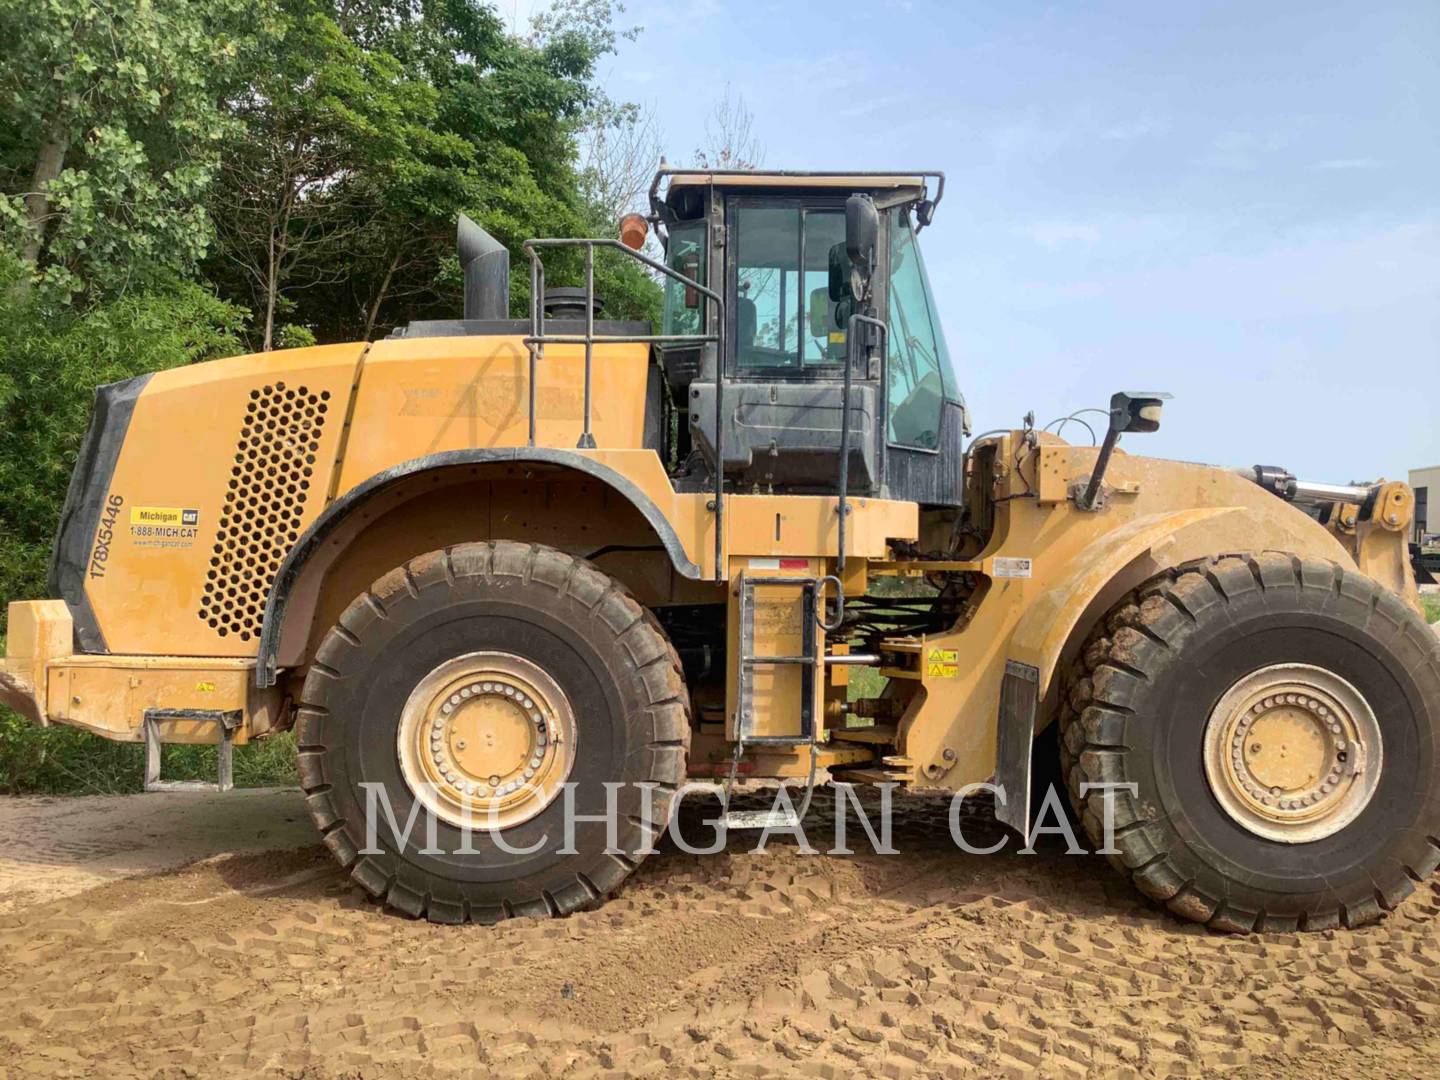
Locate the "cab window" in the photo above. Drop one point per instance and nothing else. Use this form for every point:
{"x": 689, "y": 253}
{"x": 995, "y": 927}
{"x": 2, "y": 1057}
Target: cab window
{"x": 918, "y": 363}
{"x": 685, "y": 252}
{"x": 783, "y": 316}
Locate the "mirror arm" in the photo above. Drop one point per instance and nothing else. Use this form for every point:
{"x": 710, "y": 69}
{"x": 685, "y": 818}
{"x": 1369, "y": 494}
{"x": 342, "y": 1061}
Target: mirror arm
{"x": 1128, "y": 412}
{"x": 1087, "y": 499}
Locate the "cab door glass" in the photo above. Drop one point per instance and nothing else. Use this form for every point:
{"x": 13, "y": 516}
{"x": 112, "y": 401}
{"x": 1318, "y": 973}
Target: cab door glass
{"x": 767, "y": 297}
{"x": 915, "y": 379}
{"x": 823, "y": 335}
{"x": 783, "y": 317}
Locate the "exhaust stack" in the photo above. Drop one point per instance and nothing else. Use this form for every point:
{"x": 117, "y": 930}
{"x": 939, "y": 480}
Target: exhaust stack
{"x": 486, "y": 264}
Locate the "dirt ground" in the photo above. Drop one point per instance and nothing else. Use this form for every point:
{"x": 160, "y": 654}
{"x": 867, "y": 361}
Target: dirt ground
{"x": 926, "y": 963}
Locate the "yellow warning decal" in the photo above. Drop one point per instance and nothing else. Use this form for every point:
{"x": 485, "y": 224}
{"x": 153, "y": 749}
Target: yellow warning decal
{"x": 163, "y": 515}
{"x": 941, "y": 664}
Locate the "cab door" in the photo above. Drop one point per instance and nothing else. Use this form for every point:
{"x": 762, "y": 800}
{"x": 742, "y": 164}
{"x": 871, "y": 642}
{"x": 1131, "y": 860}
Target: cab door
{"x": 785, "y": 352}
{"x": 924, "y": 412}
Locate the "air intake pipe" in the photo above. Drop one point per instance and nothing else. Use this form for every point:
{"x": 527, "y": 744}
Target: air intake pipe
{"x": 486, "y": 264}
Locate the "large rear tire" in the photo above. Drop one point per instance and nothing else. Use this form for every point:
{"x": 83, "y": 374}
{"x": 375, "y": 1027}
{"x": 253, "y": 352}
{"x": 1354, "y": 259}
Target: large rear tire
{"x": 1278, "y": 718}
{"x": 485, "y": 678}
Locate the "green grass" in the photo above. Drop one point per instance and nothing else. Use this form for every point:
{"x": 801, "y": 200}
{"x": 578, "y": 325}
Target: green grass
{"x": 1432, "y": 607}
{"x": 865, "y": 682}
{"x": 66, "y": 761}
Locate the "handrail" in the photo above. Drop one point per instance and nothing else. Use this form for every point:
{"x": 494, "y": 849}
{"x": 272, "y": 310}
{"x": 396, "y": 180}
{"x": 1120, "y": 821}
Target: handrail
{"x": 538, "y": 339}
{"x": 852, "y": 354}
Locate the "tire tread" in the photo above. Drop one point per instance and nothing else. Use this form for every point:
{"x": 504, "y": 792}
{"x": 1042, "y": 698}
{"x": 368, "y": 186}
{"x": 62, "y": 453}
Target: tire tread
{"x": 642, "y": 650}
{"x": 1099, "y": 679}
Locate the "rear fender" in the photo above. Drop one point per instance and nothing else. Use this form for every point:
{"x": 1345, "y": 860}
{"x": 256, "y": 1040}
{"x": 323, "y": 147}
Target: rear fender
{"x": 295, "y": 585}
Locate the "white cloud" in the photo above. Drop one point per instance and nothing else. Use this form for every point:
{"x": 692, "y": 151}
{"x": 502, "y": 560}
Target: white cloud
{"x": 1341, "y": 164}
{"x": 1240, "y": 151}
{"x": 1057, "y": 234}
{"x": 866, "y": 106}
{"x": 1321, "y": 271}
{"x": 1026, "y": 138}
{"x": 675, "y": 14}
{"x": 1037, "y": 135}
{"x": 1139, "y": 129}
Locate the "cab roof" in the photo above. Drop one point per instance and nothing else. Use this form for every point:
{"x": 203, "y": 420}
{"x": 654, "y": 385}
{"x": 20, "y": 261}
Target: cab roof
{"x": 753, "y": 178}
{"x": 908, "y": 186}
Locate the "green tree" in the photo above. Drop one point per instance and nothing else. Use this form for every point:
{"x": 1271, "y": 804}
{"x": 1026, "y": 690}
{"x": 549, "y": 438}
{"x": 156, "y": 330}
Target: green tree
{"x": 111, "y": 120}
{"x": 515, "y": 106}
{"x": 51, "y": 359}
{"x": 331, "y": 132}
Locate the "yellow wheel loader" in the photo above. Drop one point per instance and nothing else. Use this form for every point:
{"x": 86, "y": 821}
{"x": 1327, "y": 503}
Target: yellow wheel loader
{"x": 501, "y": 575}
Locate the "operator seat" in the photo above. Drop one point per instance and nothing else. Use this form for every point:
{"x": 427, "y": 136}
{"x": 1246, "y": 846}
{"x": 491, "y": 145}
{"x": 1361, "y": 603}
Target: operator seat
{"x": 746, "y": 323}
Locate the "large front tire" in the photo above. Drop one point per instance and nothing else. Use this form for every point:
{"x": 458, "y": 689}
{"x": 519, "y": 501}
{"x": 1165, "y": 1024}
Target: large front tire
{"x": 499, "y": 658}
{"x": 1278, "y": 718}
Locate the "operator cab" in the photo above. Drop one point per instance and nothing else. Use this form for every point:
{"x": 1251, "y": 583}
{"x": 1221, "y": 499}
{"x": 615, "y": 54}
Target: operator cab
{"x": 776, "y": 244}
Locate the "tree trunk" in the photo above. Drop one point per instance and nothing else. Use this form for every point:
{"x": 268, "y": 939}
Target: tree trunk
{"x": 49, "y": 163}
{"x": 380, "y": 295}
{"x": 272, "y": 288}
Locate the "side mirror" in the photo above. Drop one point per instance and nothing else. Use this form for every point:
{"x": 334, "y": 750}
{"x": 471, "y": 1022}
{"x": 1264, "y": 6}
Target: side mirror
{"x": 839, "y": 287}
{"x": 862, "y": 232}
{"x": 1136, "y": 411}
{"x": 819, "y": 314}
{"x": 691, "y": 269}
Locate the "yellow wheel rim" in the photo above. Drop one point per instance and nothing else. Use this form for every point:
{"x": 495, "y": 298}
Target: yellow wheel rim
{"x": 486, "y": 740}
{"x": 1293, "y": 753}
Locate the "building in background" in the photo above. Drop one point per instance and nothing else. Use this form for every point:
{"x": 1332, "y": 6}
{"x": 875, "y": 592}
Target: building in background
{"x": 1426, "y": 483}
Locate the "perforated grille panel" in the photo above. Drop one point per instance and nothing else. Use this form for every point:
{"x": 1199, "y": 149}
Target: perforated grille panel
{"x": 269, "y": 483}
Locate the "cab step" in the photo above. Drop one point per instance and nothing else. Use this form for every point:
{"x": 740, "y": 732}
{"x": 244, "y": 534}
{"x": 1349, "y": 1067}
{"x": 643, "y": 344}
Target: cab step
{"x": 772, "y": 819}
{"x": 891, "y": 769}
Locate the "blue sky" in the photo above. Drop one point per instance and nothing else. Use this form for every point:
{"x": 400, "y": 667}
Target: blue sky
{"x": 1235, "y": 202}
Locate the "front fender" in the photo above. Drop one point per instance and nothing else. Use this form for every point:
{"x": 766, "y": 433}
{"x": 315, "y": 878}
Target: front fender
{"x": 1122, "y": 559}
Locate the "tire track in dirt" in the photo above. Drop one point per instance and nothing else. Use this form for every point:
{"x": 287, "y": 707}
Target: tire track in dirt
{"x": 926, "y": 963}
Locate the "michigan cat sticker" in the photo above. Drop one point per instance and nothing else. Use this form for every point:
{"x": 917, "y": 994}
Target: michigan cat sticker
{"x": 163, "y": 526}
{"x": 163, "y": 515}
